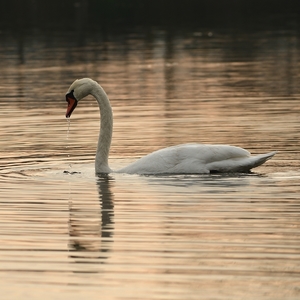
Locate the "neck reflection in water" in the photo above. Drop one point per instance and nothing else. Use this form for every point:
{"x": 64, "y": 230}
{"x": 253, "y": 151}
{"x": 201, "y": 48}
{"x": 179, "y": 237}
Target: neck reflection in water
{"x": 91, "y": 227}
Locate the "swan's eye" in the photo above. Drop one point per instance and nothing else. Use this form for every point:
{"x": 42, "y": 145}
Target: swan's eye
{"x": 72, "y": 103}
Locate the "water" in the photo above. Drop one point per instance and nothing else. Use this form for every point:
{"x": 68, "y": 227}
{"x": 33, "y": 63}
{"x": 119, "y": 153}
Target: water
{"x": 68, "y": 234}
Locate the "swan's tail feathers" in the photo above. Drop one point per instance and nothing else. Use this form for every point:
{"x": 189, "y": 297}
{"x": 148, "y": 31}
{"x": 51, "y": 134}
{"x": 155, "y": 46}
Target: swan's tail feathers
{"x": 244, "y": 164}
{"x": 254, "y": 161}
{"x": 262, "y": 158}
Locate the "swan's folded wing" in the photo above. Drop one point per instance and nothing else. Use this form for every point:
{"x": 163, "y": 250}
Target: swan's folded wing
{"x": 210, "y": 153}
{"x": 196, "y": 158}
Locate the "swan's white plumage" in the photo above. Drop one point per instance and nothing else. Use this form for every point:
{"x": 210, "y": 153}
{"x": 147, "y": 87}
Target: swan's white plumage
{"x": 180, "y": 159}
{"x": 196, "y": 158}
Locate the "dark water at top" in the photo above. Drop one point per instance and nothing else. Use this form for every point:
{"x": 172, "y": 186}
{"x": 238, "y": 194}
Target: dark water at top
{"x": 135, "y": 237}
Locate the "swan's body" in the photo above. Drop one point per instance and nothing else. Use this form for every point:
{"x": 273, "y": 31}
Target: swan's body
{"x": 180, "y": 159}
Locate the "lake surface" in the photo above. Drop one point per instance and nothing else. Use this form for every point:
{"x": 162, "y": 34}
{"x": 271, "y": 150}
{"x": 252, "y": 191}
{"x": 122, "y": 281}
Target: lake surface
{"x": 67, "y": 234}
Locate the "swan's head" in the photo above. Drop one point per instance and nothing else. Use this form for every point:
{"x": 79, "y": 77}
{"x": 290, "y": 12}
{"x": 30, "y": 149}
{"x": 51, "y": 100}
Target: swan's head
{"x": 79, "y": 89}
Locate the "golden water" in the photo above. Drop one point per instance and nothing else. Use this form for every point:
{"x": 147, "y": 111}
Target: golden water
{"x": 71, "y": 235}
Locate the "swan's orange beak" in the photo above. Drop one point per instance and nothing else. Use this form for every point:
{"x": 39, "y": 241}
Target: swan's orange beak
{"x": 72, "y": 103}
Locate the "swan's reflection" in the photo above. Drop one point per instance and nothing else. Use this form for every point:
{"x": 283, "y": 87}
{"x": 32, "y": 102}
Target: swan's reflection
{"x": 218, "y": 180}
{"x": 91, "y": 227}
{"x": 107, "y": 207}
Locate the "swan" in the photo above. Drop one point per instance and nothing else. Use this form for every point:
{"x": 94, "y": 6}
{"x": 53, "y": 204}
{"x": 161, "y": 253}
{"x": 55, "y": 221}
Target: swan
{"x": 180, "y": 159}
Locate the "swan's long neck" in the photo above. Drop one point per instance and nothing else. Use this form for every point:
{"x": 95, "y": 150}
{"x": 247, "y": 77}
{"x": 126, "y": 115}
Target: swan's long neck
{"x": 106, "y": 129}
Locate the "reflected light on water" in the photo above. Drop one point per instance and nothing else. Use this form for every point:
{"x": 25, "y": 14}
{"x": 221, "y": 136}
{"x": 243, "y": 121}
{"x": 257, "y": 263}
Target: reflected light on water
{"x": 68, "y": 234}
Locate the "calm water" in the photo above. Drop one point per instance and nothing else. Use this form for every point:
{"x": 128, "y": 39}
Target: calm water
{"x": 66, "y": 234}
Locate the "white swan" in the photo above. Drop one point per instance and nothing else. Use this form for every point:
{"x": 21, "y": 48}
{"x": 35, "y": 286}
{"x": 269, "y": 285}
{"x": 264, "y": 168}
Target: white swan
{"x": 180, "y": 159}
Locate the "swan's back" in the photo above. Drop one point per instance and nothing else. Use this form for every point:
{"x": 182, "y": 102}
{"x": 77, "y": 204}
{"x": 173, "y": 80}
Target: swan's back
{"x": 196, "y": 158}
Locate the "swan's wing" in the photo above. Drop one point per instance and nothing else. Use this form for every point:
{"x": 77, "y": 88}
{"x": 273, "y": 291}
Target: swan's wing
{"x": 188, "y": 158}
